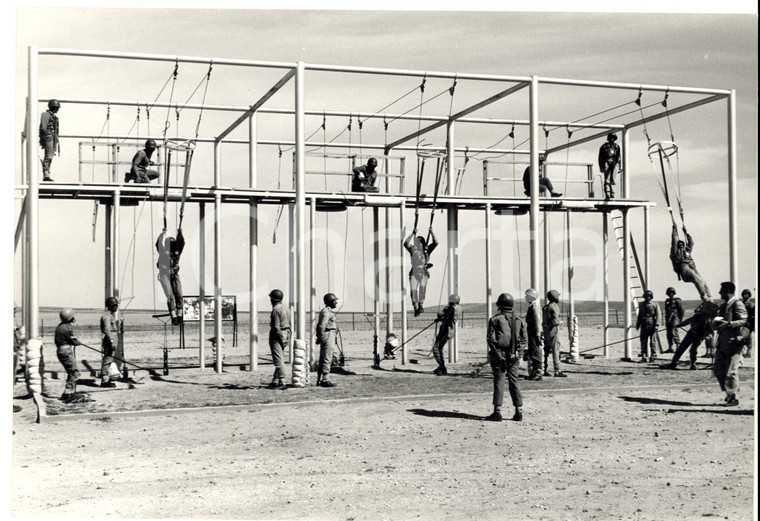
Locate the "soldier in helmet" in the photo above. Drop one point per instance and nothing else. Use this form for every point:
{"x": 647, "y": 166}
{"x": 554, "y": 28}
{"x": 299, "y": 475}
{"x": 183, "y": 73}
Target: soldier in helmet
{"x": 544, "y": 183}
{"x": 327, "y": 330}
{"x": 65, "y": 343}
{"x": 279, "y": 337}
{"x": 749, "y": 304}
{"x": 364, "y": 177}
{"x": 506, "y": 341}
{"x": 683, "y": 263}
{"x": 700, "y": 328}
{"x": 533, "y": 323}
{"x": 169, "y": 251}
{"x": 139, "y": 172}
{"x": 109, "y": 329}
{"x": 647, "y": 322}
{"x": 447, "y": 318}
{"x": 673, "y": 317}
{"x": 609, "y": 158}
{"x": 551, "y": 323}
{"x": 49, "y": 129}
{"x": 420, "y": 250}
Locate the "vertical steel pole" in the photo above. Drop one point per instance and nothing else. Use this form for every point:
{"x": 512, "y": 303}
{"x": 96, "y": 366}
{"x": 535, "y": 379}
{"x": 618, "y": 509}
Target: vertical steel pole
{"x": 108, "y": 247}
{"x": 534, "y": 217}
{"x": 312, "y": 273}
{"x": 572, "y": 322}
{"x": 300, "y": 204}
{"x": 606, "y": 282}
{"x": 253, "y": 253}
{"x": 732, "y": 219}
{"x": 388, "y": 267}
{"x": 627, "y": 297}
{"x": 217, "y": 260}
{"x": 202, "y": 285}
{"x": 115, "y": 241}
{"x": 376, "y": 271}
{"x": 646, "y": 282}
{"x": 489, "y": 288}
{"x": 453, "y": 236}
{"x": 547, "y": 260}
{"x": 403, "y": 272}
{"x": 292, "y": 290}
{"x": 485, "y": 178}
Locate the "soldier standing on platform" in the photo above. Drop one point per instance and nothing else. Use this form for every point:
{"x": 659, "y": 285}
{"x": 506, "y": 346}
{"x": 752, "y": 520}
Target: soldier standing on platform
{"x": 609, "y": 158}
{"x": 49, "y": 131}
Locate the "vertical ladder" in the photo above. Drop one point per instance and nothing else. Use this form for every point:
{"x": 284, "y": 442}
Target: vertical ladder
{"x": 638, "y": 283}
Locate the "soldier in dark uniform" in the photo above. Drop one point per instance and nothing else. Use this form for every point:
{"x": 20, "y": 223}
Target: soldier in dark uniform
{"x": 683, "y": 263}
{"x": 749, "y": 304}
{"x": 139, "y": 172}
{"x": 533, "y": 323}
{"x": 551, "y": 323}
{"x": 544, "y": 183}
{"x": 647, "y": 322}
{"x": 673, "y": 317}
{"x": 109, "y": 329}
{"x": 731, "y": 319}
{"x": 49, "y": 131}
{"x": 609, "y": 158}
{"x": 364, "y": 177}
{"x": 327, "y": 331}
{"x": 506, "y": 341}
{"x": 700, "y": 329}
{"x": 419, "y": 275}
{"x": 169, "y": 251}
{"x": 279, "y": 337}
{"x": 65, "y": 343}
{"x": 448, "y": 322}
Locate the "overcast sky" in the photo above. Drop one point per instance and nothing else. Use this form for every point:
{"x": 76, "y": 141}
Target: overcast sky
{"x": 692, "y": 50}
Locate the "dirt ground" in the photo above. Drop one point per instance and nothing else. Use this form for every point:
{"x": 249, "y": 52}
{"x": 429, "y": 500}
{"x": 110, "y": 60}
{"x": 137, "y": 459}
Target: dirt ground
{"x": 614, "y": 440}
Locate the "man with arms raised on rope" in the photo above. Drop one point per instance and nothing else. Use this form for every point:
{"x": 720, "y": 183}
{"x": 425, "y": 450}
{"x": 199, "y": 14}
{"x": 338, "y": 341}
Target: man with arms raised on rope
{"x": 139, "y": 172}
{"x": 609, "y": 158}
{"x": 683, "y": 263}
{"x": 419, "y": 275}
{"x": 364, "y": 177}
{"x": 169, "y": 250}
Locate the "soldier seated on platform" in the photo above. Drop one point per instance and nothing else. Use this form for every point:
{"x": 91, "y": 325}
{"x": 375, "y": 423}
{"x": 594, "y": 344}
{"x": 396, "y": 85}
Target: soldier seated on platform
{"x": 364, "y": 177}
{"x": 139, "y": 172}
{"x": 544, "y": 183}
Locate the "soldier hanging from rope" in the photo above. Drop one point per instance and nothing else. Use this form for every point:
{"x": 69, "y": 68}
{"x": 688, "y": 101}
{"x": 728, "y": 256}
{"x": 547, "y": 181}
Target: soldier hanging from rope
{"x": 683, "y": 263}
{"x": 169, "y": 251}
{"x": 420, "y": 249}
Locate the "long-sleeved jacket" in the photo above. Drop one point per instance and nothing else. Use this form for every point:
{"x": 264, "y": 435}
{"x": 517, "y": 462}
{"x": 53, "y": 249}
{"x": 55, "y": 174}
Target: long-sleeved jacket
{"x": 279, "y": 322}
{"x": 64, "y": 335}
{"x": 448, "y": 318}
{"x": 420, "y": 254}
{"x": 506, "y": 336}
{"x": 701, "y": 321}
{"x": 361, "y": 177}
{"x": 649, "y": 314}
{"x": 533, "y": 321}
{"x": 325, "y": 323}
{"x": 679, "y": 256}
{"x": 109, "y": 329}
{"x": 49, "y": 127}
{"x": 673, "y": 311}
{"x": 609, "y": 155}
{"x": 735, "y": 315}
{"x": 168, "y": 258}
{"x": 551, "y": 316}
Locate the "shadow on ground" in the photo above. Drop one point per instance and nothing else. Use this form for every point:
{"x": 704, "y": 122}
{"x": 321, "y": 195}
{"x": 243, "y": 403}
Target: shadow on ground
{"x": 446, "y": 414}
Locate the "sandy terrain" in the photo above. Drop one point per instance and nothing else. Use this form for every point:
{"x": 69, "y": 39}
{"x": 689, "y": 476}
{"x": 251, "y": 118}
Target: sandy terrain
{"x": 614, "y": 440}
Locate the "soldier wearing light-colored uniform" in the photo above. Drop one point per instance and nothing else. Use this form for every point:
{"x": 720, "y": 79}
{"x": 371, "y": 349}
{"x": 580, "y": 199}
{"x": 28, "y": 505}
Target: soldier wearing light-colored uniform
{"x": 731, "y": 319}
{"x": 647, "y": 321}
{"x": 65, "y": 342}
{"x": 533, "y": 324}
{"x": 48, "y": 136}
{"x": 551, "y": 323}
{"x": 109, "y": 329}
{"x": 279, "y": 337}
{"x": 327, "y": 330}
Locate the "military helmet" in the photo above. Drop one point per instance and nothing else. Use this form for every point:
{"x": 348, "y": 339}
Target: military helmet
{"x": 530, "y": 292}
{"x": 553, "y": 296}
{"x": 111, "y": 301}
{"x": 372, "y": 161}
{"x": 746, "y": 293}
{"x": 648, "y": 293}
{"x": 151, "y": 143}
{"x": 276, "y": 294}
{"x": 505, "y": 300}
{"x": 454, "y": 298}
{"x": 329, "y": 299}
{"x": 612, "y": 136}
{"x": 67, "y": 315}
{"x": 54, "y": 104}
{"x": 670, "y": 290}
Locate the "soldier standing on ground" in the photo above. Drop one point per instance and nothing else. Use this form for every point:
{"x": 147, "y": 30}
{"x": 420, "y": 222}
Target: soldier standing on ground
{"x": 533, "y": 323}
{"x": 673, "y": 317}
{"x": 731, "y": 319}
{"x": 700, "y": 329}
{"x": 749, "y": 304}
{"x": 327, "y": 330}
{"x": 279, "y": 337}
{"x": 506, "y": 341}
{"x": 551, "y": 323}
{"x": 647, "y": 322}
{"x": 448, "y": 322}
{"x": 65, "y": 343}
{"x": 109, "y": 329}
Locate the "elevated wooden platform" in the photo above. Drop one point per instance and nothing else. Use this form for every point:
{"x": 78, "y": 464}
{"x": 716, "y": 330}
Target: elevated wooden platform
{"x": 131, "y": 194}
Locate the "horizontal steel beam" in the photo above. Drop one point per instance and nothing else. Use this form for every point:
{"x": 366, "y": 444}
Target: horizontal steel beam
{"x": 631, "y": 86}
